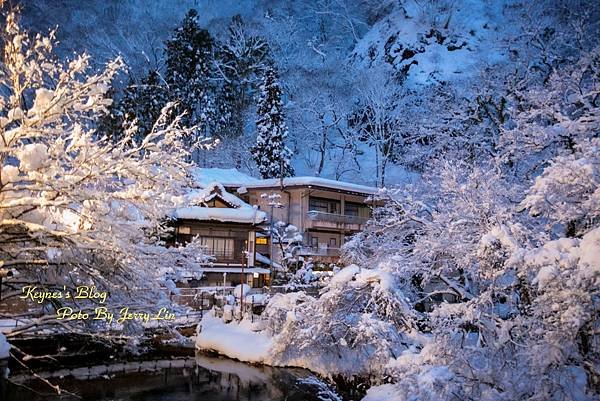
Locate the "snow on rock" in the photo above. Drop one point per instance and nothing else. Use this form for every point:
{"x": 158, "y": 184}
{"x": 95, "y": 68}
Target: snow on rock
{"x": 4, "y": 347}
{"x": 424, "y": 52}
{"x": 234, "y": 340}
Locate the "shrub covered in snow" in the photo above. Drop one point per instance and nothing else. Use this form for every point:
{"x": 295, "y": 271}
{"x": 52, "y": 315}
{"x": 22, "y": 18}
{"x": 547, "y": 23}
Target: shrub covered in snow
{"x": 351, "y": 326}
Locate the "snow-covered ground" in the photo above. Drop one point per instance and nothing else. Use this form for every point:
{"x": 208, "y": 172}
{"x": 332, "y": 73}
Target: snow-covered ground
{"x": 235, "y": 340}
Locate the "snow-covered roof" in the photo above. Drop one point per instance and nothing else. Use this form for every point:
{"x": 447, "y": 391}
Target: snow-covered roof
{"x": 194, "y": 207}
{"x": 224, "y": 215}
{"x": 313, "y": 182}
{"x": 248, "y": 270}
{"x": 229, "y": 177}
{"x": 234, "y": 178}
{"x": 211, "y": 191}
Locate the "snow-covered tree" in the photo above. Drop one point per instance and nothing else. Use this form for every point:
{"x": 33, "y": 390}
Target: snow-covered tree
{"x": 140, "y": 104}
{"x": 377, "y": 123}
{"x": 503, "y": 304}
{"x": 77, "y": 208}
{"x": 353, "y": 328}
{"x": 487, "y": 304}
{"x": 289, "y": 240}
{"x": 189, "y": 62}
{"x": 271, "y": 155}
{"x": 240, "y": 64}
{"x": 554, "y": 117}
{"x": 568, "y": 190}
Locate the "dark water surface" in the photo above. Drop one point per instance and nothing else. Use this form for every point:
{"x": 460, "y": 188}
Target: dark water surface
{"x": 203, "y": 378}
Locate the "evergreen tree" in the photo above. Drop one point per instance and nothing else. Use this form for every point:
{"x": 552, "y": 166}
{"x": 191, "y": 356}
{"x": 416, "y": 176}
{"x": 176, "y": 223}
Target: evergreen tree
{"x": 189, "y": 55}
{"x": 241, "y": 63}
{"x": 270, "y": 153}
{"x": 148, "y": 100}
{"x": 110, "y": 124}
{"x": 140, "y": 104}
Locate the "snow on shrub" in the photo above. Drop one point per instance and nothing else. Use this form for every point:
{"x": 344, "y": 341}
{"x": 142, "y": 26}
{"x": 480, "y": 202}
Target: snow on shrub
{"x": 351, "y": 326}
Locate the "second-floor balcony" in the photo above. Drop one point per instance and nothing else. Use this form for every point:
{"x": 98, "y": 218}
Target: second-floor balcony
{"x": 333, "y": 220}
{"x": 319, "y": 251}
{"x": 221, "y": 256}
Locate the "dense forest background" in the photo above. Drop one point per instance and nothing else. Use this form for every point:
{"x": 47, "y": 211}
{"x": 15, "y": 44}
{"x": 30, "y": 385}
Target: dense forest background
{"x": 373, "y": 91}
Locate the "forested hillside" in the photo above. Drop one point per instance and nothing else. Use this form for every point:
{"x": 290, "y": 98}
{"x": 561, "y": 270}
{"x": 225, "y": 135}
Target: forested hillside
{"x": 356, "y": 76}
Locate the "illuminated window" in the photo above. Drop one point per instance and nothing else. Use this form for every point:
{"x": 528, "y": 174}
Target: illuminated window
{"x": 261, "y": 241}
{"x": 184, "y": 230}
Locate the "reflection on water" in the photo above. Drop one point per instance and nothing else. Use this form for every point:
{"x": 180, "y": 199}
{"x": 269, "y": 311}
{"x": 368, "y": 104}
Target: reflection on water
{"x": 205, "y": 378}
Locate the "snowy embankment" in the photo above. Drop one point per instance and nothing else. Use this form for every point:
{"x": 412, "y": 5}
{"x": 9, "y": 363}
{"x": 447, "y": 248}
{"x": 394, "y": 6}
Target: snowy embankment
{"x": 233, "y": 340}
{"x": 270, "y": 342}
{"x": 239, "y": 341}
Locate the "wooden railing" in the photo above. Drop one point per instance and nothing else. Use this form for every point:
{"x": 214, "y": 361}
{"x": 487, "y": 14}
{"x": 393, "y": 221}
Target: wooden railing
{"x": 335, "y": 218}
{"x": 318, "y": 251}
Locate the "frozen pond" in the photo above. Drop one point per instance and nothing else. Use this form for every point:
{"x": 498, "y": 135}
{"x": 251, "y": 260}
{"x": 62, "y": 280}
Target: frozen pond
{"x": 206, "y": 378}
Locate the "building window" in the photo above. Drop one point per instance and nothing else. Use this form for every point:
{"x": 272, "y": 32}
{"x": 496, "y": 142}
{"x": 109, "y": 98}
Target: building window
{"x": 332, "y": 242}
{"x": 314, "y": 241}
{"x": 324, "y": 205}
{"x": 221, "y": 248}
{"x": 352, "y": 209}
{"x": 184, "y": 230}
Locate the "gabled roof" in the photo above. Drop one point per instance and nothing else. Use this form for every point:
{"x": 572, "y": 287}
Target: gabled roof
{"x": 237, "y": 211}
{"x": 214, "y": 190}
